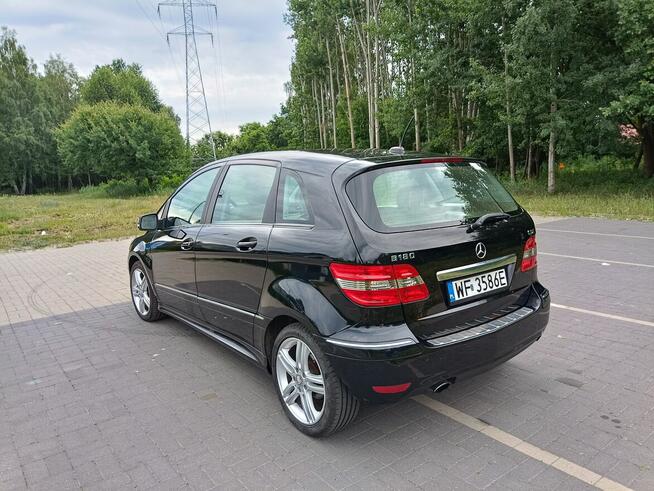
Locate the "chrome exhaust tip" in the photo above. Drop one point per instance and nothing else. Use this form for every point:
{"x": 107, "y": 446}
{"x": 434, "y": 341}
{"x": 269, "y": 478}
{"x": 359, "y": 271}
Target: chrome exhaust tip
{"x": 440, "y": 387}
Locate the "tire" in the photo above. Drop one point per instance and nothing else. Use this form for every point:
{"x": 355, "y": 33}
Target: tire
{"x": 146, "y": 295}
{"x": 334, "y": 410}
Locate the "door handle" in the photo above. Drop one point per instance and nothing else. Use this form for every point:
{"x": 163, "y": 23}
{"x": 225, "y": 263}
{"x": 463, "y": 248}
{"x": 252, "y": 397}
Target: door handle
{"x": 187, "y": 244}
{"x": 246, "y": 244}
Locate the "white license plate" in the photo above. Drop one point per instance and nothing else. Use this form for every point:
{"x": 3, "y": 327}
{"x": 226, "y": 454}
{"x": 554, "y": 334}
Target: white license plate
{"x": 476, "y": 285}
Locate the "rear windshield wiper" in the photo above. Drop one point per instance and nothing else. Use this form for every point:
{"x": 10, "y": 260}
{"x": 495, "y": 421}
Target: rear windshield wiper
{"x": 487, "y": 218}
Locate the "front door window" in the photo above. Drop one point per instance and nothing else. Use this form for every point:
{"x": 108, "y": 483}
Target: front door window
{"x": 187, "y": 206}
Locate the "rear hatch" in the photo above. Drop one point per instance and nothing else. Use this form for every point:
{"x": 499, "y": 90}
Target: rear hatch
{"x": 453, "y": 222}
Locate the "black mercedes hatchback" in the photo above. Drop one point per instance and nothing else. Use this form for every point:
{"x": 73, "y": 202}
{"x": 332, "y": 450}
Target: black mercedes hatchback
{"x": 348, "y": 279}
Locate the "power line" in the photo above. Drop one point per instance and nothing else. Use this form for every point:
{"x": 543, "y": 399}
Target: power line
{"x": 218, "y": 57}
{"x": 145, "y": 12}
{"x": 161, "y": 32}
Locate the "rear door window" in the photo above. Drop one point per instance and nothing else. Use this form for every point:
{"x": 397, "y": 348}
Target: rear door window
{"x": 244, "y": 194}
{"x": 419, "y": 196}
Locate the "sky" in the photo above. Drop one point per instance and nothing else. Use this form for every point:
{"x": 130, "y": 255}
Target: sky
{"x": 244, "y": 71}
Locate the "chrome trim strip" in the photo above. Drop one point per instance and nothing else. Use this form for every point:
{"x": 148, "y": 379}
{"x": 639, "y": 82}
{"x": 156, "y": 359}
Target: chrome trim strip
{"x": 175, "y": 290}
{"x": 293, "y": 225}
{"x": 215, "y": 336}
{"x": 229, "y": 224}
{"x": 449, "y": 274}
{"x": 362, "y": 345}
{"x": 454, "y": 309}
{"x": 483, "y": 329}
{"x": 229, "y": 307}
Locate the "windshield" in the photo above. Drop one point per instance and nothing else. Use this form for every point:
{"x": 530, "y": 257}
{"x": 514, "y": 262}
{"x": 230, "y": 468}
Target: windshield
{"x": 418, "y": 196}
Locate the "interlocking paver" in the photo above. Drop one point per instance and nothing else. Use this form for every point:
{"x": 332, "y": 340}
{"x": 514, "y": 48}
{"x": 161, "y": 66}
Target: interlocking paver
{"x": 84, "y": 401}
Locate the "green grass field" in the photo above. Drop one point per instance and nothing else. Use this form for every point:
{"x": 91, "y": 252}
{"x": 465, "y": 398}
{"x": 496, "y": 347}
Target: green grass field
{"x": 69, "y": 218}
{"x": 81, "y": 217}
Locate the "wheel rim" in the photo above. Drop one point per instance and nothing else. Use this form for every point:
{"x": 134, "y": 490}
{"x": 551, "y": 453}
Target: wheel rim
{"x": 140, "y": 292}
{"x": 300, "y": 381}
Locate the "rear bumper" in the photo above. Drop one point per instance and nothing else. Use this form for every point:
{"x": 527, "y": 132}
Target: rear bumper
{"x": 426, "y": 364}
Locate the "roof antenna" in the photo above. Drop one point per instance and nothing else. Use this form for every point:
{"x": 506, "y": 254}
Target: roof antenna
{"x": 399, "y": 150}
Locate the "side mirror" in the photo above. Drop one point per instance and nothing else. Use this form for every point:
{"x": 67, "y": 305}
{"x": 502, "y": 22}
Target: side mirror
{"x": 149, "y": 222}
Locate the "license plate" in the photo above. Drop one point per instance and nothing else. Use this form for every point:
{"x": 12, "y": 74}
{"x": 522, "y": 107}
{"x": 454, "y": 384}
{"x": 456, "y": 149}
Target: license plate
{"x": 476, "y": 285}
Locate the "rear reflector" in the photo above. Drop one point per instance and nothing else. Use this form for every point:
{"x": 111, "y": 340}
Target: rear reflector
{"x": 530, "y": 255}
{"x": 391, "y": 389}
{"x": 379, "y": 286}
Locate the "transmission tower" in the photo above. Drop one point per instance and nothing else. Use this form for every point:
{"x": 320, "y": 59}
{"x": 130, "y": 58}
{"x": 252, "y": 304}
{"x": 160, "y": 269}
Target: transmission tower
{"x": 197, "y": 113}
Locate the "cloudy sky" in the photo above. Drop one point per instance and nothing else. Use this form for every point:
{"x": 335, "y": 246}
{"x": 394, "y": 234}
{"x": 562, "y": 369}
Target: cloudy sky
{"x": 244, "y": 71}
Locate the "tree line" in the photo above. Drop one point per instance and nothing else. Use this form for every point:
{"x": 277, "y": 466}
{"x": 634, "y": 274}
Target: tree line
{"x": 521, "y": 83}
{"x": 59, "y": 131}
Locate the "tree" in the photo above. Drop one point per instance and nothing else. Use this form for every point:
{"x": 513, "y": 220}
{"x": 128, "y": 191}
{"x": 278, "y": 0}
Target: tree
{"x": 22, "y": 122}
{"x": 59, "y": 94}
{"x": 507, "y": 81}
{"x": 632, "y": 81}
{"x": 60, "y": 86}
{"x": 202, "y": 152}
{"x": 117, "y": 141}
{"x": 282, "y": 132}
{"x": 253, "y": 137}
{"x": 545, "y": 42}
{"x": 120, "y": 82}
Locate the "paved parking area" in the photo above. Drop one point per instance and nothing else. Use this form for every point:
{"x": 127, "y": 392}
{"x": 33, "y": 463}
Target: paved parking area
{"x": 92, "y": 397}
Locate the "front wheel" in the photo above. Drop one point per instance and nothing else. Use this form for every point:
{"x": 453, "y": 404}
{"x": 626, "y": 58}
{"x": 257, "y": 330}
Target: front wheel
{"x": 143, "y": 298}
{"x": 311, "y": 394}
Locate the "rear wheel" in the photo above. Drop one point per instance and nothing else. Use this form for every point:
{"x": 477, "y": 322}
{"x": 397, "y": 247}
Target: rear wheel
{"x": 311, "y": 394}
{"x": 143, "y": 298}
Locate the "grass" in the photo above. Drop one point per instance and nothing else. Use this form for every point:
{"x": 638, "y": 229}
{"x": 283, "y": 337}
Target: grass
{"x": 81, "y": 217}
{"x": 69, "y": 219}
{"x": 612, "y": 193}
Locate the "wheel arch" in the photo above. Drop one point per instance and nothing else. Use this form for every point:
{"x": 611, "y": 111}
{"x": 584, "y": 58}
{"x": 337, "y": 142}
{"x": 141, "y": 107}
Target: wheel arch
{"x": 134, "y": 258}
{"x": 273, "y": 329}
{"x": 289, "y": 300}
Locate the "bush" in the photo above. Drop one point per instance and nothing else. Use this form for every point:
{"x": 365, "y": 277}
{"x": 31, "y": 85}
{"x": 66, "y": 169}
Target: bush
{"x": 121, "y": 142}
{"x": 170, "y": 183}
{"x": 592, "y": 164}
{"x": 118, "y": 188}
{"x": 606, "y": 183}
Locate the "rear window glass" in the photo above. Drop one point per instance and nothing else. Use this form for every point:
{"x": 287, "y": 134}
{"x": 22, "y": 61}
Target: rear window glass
{"x": 418, "y": 196}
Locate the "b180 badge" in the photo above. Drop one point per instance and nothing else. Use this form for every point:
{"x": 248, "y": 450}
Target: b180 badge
{"x": 403, "y": 256}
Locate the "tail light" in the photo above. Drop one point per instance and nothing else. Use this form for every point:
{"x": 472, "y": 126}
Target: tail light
{"x": 379, "y": 286}
{"x": 529, "y": 255}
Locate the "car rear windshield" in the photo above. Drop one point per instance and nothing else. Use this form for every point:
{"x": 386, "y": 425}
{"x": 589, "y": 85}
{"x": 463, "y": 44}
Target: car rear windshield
{"x": 426, "y": 195}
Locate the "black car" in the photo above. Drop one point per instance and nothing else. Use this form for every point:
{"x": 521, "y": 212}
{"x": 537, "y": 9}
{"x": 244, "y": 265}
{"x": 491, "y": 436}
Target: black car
{"x": 349, "y": 279}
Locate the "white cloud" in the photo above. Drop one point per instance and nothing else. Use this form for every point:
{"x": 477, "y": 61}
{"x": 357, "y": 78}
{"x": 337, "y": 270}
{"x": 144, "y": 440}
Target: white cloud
{"x": 254, "y": 45}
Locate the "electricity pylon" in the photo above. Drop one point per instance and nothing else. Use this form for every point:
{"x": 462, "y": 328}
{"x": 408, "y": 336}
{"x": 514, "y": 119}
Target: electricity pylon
{"x": 197, "y": 113}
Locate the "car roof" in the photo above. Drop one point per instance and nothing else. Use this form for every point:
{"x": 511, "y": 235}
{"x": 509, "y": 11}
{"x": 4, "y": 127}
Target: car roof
{"x": 325, "y": 162}
{"x": 314, "y": 162}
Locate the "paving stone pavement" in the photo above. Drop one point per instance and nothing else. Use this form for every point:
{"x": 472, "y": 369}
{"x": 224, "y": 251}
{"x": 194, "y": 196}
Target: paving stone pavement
{"x": 92, "y": 397}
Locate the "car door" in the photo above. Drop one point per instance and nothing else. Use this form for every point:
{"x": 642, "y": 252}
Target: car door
{"x": 171, "y": 249}
{"x": 232, "y": 247}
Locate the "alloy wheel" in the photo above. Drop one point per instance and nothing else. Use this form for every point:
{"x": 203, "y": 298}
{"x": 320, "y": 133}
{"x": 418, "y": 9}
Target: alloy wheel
{"x": 300, "y": 381}
{"x": 140, "y": 292}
